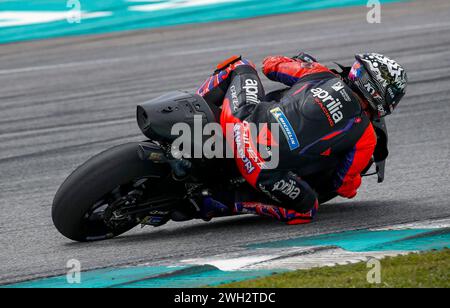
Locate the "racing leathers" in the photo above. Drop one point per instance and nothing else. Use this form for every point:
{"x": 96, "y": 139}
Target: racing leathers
{"x": 321, "y": 127}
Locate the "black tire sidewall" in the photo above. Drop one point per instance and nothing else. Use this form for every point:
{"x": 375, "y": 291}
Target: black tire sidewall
{"x": 93, "y": 180}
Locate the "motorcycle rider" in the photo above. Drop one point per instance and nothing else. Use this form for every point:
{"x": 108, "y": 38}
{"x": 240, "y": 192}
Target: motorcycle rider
{"x": 325, "y": 122}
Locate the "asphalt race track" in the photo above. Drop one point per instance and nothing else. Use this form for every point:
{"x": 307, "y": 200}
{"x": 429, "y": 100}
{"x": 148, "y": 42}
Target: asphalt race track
{"x": 63, "y": 100}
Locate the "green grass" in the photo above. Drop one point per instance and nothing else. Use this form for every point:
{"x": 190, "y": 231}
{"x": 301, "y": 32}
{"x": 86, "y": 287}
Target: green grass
{"x": 427, "y": 270}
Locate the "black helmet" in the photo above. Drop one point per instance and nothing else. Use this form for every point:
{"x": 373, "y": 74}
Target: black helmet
{"x": 381, "y": 80}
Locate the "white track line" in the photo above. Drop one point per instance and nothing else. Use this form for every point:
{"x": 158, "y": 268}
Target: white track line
{"x": 294, "y": 258}
{"x": 427, "y": 224}
{"x": 66, "y": 128}
{"x": 206, "y": 50}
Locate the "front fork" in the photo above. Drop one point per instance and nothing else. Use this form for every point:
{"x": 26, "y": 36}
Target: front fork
{"x": 181, "y": 168}
{"x": 185, "y": 171}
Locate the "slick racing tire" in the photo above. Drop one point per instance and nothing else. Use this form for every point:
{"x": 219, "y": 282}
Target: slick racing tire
{"x": 75, "y": 200}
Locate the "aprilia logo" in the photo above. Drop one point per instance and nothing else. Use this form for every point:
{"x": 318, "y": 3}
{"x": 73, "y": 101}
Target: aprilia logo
{"x": 251, "y": 91}
{"x": 332, "y": 104}
{"x": 290, "y": 188}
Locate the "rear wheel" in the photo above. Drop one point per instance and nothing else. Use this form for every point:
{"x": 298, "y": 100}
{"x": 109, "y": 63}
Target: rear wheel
{"x": 89, "y": 205}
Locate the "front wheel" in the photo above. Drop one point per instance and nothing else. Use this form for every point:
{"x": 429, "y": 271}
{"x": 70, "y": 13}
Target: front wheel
{"x": 87, "y": 204}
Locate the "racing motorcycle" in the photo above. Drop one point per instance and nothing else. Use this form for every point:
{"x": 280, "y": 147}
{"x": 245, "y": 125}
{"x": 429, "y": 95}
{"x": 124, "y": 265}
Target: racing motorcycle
{"x": 142, "y": 183}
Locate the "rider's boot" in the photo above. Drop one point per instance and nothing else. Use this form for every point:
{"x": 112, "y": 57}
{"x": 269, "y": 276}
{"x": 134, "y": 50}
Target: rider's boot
{"x": 212, "y": 208}
{"x": 203, "y": 207}
{"x": 290, "y": 217}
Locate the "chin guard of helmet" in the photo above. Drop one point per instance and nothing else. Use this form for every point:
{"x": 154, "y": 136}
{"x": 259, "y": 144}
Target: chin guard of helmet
{"x": 381, "y": 150}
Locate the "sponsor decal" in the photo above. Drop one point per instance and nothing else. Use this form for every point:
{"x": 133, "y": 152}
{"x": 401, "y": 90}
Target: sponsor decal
{"x": 325, "y": 111}
{"x": 338, "y": 86}
{"x": 333, "y": 105}
{"x": 241, "y": 150}
{"x": 240, "y": 146}
{"x": 252, "y": 154}
{"x": 268, "y": 193}
{"x": 234, "y": 98}
{"x": 345, "y": 96}
{"x": 381, "y": 111}
{"x": 391, "y": 92}
{"x": 368, "y": 86}
{"x": 286, "y": 127}
{"x": 246, "y": 152}
{"x": 288, "y": 188}
{"x": 251, "y": 91}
